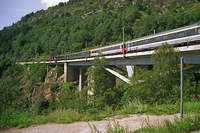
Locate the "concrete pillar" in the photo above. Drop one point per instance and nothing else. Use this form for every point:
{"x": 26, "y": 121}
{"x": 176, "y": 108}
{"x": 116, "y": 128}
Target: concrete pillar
{"x": 80, "y": 79}
{"x": 47, "y": 68}
{"x": 130, "y": 70}
{"x": 56, "y": 72}
{"x": 71, "y": 73}
{"x": 133, "y": 68}
{"x": 65, "y": 72}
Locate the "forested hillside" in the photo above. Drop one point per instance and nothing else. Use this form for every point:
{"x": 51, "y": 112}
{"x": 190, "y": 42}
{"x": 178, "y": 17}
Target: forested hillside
{"x": 93, "y": 22}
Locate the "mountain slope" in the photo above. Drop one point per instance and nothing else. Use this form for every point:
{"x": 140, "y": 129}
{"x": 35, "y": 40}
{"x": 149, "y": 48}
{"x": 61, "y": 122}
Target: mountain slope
{"x": 96, "y": 23}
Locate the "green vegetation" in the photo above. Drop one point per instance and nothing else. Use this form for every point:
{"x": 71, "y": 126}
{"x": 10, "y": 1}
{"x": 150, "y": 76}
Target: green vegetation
{"x": 27, "y": 98}
{"x": 188, "y": 124}
{"x": 178, "y": 126}
{"x": 110, "y": 129}
{"x": 138, "y": 107}
{"x": 107, "y": 100}
{"x": 96, "y": 23}
{"x": 157, "y": 84}
{"x": 11, "y": 117}
{"x": 102, "y": 84}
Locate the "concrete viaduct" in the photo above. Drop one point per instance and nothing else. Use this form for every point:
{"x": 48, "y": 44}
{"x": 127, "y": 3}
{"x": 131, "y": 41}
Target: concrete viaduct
{"x": 74, "y": 69}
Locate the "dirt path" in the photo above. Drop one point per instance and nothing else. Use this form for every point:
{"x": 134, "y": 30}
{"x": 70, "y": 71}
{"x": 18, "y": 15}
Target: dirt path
{"x": 133, "y": 122}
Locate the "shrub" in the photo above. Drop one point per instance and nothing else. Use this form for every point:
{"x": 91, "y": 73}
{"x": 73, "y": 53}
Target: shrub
{"x": 59, "y": 70}
{"x": 157, "y": 85}
{"x": 37, "y": 72}
{"x": 39, "y": 105}
{"x": 11, "y": 117}
{"x": 102, "y": 84}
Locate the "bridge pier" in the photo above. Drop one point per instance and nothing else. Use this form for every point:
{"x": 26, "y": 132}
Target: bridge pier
{"x": 80, "y": 79}
{"x": 70, "y": 73}
{"x": 130, "y": 70}
{"x": 65, "y": 72}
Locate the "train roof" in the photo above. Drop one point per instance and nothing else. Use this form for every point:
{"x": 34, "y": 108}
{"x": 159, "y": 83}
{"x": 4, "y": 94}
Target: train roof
{"x": 165, "y": 32}
{"x": 157, "y": 34}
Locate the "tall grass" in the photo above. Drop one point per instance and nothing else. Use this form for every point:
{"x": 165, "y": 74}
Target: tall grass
{"x": 188, "y": 124}
{"x": 136, "y": 107}
{"x": 112, "y": 127}
{"x": 191, "y": 107}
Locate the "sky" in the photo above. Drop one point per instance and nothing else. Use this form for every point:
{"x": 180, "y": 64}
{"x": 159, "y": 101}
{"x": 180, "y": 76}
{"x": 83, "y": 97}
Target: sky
{"x": 11, "y": 11}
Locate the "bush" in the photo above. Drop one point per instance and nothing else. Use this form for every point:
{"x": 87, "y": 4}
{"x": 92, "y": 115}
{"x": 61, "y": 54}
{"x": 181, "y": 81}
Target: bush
{"x": 157, "y": 85}
{"x": 39, "y": 105}
{"x": 11, "y": 117}
{"x": 101, "y": 83}
{"x": 10, "y": 91}
{"x": 37, "y": 72}
{"x": 59, "y": 70}
{"x": 66, "y": 96}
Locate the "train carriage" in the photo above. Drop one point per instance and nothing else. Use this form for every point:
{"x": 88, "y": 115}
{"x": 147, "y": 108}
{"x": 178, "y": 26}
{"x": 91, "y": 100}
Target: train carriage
{"x": 177, "y": 36}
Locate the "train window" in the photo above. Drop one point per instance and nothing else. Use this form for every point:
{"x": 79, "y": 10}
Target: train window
{"x": 190, "y": 32}
{"x": 165, "y": 37}
{"x": 198, "y": 30}
{"x": 157, "y": 39}
{"x": 142, "y": 42}
{"x": 145, "y": 41}
{"x": 180, "y": 34}
{"x": 131, "y": 44}
{"x": 139, "y": 42}
{"x": 150, "y": 40}
{"x": 154, "y": 39}
{"x": 161, "y": 38}
{"x": 172, "y": 36}
{"x": 136, "y": 43}
{"x": 94, "y": 51}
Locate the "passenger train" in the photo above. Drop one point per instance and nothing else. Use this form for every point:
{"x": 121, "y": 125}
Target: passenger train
{"x": 179, "y": 36}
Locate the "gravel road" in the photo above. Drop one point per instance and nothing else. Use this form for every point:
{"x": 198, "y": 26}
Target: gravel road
{"x": 133, "y": 122}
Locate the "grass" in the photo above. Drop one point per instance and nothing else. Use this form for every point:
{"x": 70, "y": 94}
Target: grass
{"x": 136, "y": 108}
{"x": 139, "y": 108}
{"x": 111, "y": 128}
{"x": 12, "y": 118}
{"x": 188, "y": 124}
{"x": 66, "y": 116}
